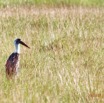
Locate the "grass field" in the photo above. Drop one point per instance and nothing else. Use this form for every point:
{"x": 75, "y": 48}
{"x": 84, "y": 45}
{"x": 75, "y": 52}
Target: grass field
{"x": 66, "y": 61}
{"x": 4, "y": 3}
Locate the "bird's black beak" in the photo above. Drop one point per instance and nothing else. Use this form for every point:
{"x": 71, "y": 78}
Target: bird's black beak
{"x": 21, "y": 42}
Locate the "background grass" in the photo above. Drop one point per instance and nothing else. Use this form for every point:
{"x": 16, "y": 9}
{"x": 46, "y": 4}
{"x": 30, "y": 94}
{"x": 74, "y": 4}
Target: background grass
{"x": 66, "y": 61}
{"x": 53, "y": 2}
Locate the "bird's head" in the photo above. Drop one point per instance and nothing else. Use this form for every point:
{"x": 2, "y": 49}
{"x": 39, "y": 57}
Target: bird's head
{"x": 18, "y": 41}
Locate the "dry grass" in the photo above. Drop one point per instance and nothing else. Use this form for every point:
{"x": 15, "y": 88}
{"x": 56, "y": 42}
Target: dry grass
{"x": 66, "y": 61}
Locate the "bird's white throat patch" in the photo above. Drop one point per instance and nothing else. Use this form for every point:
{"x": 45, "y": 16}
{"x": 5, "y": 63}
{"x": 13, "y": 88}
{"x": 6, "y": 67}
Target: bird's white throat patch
{"x": 17, "y": 48}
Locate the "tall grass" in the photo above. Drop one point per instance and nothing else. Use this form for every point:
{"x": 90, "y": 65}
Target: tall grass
{"x": 66, "y": 61}
{"x": 52, "y": 2}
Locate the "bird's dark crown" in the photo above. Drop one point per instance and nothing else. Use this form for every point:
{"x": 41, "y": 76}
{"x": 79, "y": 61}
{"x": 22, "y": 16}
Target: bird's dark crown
{"x": 17, "y": 41}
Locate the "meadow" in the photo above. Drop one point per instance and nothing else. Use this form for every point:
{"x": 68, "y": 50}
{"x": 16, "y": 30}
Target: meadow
{"x": 65, "y": 62}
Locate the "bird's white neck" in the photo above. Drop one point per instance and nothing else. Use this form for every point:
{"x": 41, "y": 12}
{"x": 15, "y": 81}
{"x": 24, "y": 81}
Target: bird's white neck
{"x": 17, "y": 48}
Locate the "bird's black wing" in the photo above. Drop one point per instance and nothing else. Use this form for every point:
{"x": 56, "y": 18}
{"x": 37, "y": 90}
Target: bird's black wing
{"x": 11, "y": 63}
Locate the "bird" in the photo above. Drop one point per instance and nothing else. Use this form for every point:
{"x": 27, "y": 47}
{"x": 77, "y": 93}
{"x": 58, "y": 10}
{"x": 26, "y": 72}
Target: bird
{"x": 12, "y": 63}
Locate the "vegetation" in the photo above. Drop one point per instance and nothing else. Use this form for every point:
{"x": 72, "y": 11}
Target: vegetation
{"x": 53, "y": 2}
{"x": 66, "y": 61}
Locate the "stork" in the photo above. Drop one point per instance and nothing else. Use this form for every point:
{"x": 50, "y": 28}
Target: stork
{"x": 12, "y": 63}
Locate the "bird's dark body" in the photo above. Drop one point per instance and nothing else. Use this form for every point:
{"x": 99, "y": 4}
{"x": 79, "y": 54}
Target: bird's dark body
{"x": 12, "y": 65}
